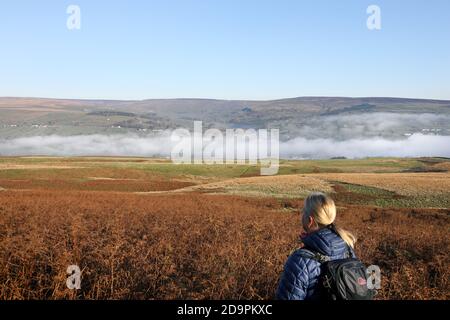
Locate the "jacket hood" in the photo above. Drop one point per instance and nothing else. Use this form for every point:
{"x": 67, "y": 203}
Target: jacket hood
{"x": 325, "y": 241}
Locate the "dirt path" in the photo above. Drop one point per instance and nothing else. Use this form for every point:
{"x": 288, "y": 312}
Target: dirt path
{"x": 112, "y": 179}
{"x": 283, "y": 184}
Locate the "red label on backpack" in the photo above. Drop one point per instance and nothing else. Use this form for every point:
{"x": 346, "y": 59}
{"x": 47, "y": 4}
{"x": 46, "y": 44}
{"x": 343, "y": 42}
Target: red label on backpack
{"x": 362, "y": 281}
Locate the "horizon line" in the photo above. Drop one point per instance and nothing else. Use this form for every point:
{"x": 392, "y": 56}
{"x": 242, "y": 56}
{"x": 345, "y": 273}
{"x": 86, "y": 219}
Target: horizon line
{"x": 224, "y": 99}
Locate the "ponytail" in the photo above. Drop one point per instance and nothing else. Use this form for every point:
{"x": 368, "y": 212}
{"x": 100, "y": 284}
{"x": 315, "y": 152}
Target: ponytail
{"x": 347, "y": 236}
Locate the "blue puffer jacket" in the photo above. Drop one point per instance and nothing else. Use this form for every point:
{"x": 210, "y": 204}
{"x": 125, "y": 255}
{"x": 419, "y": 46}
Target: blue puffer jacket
{"x": 301, "y": 273}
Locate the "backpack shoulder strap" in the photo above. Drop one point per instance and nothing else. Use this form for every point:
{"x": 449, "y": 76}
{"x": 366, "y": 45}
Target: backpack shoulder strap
{"x": 308, "y": 253}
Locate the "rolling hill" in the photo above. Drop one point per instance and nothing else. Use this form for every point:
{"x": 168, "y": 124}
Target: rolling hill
{"x": 310, "y": 117}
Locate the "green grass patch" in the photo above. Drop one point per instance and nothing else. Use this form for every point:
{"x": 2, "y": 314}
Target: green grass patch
{"x": 376, "y": 165}
{"x": 415, "y": 202}
{"x": 365, "y": 195}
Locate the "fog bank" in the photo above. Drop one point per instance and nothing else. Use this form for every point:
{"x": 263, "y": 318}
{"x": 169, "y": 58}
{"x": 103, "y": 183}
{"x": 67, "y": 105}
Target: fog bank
{"x": 416, "y": 145}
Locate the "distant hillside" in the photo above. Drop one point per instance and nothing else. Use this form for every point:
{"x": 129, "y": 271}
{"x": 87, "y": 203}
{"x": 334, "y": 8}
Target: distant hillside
{"x": 310, "y": 117}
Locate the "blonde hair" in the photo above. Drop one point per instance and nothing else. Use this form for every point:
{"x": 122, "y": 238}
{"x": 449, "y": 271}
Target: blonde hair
{"x": 322, "y": 208}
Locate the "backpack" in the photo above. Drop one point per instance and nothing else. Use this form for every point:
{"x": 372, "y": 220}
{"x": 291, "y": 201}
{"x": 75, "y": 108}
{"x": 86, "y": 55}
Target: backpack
{"x": 342, "y": 279}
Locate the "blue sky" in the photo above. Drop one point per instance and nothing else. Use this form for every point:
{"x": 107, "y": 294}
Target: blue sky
{"x": 230, "y": 49}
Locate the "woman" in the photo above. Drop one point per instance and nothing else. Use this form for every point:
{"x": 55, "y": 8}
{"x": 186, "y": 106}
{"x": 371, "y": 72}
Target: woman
{"x": 301, "y": 272}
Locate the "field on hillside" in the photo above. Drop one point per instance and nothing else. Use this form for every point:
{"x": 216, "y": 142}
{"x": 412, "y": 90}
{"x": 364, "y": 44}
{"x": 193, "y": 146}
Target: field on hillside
{"x": 143, "y": 228}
